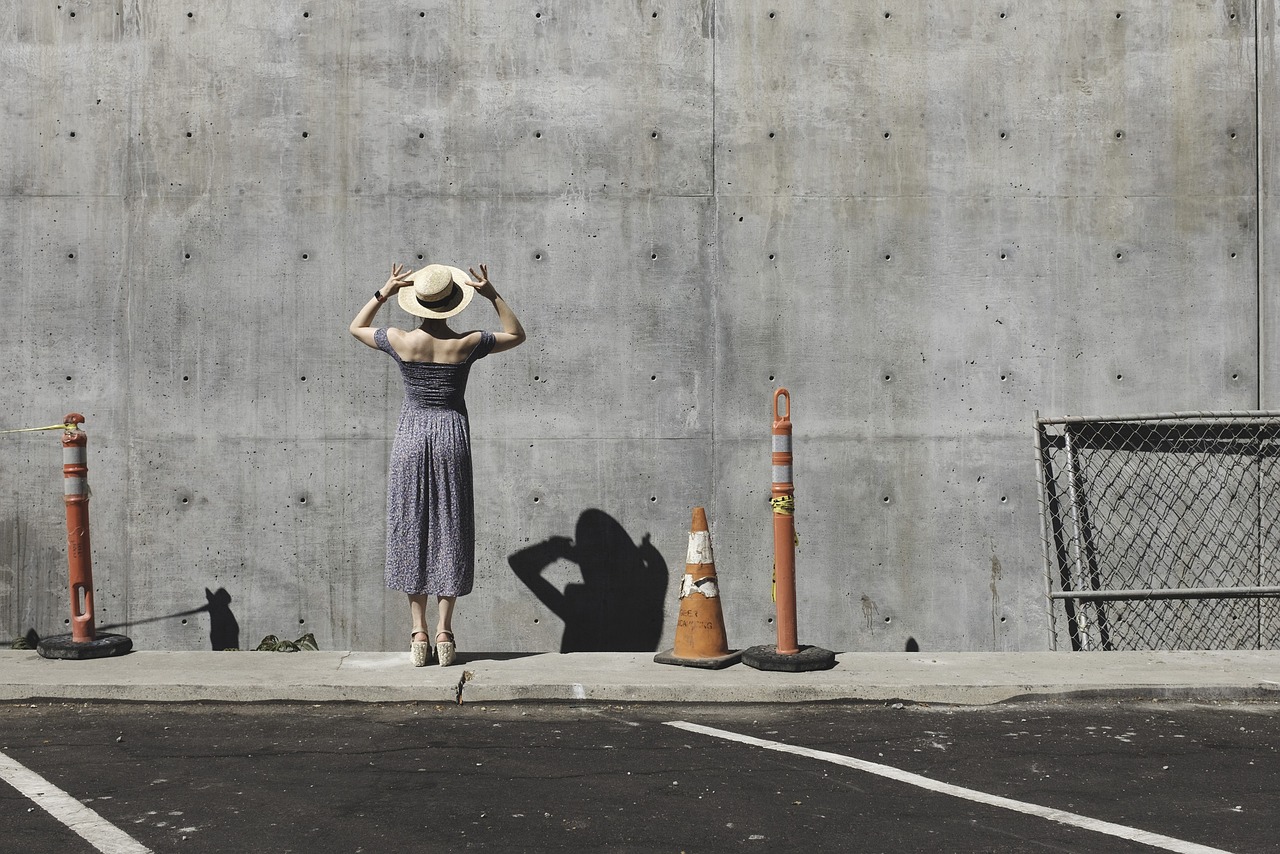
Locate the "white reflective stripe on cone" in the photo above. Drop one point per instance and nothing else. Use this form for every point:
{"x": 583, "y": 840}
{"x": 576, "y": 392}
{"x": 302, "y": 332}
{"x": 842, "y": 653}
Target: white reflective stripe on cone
{"x": 699, "y": 548}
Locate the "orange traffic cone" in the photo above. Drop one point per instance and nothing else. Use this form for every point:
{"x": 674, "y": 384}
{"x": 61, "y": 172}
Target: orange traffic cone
{"x": 700, "y": 637}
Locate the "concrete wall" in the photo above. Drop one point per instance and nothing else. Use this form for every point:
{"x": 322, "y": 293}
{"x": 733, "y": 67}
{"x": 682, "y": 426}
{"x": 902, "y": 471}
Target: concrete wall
{"x": 928, "y": 220}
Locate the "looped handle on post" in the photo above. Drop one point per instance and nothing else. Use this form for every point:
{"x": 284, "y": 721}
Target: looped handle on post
{"x": 779, "y": 417}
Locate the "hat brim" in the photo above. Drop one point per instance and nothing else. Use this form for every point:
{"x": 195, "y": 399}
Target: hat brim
{"x": 458, "y": 298}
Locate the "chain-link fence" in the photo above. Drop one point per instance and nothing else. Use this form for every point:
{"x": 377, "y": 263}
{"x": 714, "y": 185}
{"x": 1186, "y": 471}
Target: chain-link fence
{"x": 1162, "y": 531}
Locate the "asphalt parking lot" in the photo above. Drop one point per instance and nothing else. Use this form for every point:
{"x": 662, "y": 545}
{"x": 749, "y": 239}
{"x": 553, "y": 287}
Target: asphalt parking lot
{"x": 549, "y": 777}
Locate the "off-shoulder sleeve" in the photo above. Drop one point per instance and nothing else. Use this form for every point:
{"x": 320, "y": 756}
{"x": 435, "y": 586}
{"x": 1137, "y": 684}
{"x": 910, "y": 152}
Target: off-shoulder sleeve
{"x": 484, "y": 347}
{"x": 380, "y": 338}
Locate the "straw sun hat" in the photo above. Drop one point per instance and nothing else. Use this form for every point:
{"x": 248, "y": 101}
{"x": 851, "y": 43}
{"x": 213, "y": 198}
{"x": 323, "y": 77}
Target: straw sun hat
{"x": 438, "y": 291}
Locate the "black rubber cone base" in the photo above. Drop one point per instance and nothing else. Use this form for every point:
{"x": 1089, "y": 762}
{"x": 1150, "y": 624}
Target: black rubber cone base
{"x": 715, "y": 663}
{"x": 808, "y": 658}
{"x": 103, "y": 646}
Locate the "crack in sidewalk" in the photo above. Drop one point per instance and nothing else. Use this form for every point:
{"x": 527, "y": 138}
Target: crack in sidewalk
{"x": 466, "y": 677}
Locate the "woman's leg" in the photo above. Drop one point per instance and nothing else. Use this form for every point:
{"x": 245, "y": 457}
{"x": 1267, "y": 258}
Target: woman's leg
{"x": 446, "y": 617}
{"x": 418, "y": 616}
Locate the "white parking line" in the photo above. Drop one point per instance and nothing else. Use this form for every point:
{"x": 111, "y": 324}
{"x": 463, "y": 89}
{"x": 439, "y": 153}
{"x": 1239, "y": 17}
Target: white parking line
{"x": 95, "y": 830}
{"x": 1155, "y": 840}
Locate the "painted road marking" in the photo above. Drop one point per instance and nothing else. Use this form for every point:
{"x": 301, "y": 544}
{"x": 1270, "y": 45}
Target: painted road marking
{"x": 1155, "y": 840}
{"x": 95, "y": 830}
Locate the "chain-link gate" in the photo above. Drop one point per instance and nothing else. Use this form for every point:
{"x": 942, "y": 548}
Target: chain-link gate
{"x": 1162, "y": 531}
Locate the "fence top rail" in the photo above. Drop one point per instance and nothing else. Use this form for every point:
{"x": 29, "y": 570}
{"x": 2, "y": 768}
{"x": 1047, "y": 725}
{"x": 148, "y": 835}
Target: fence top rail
{"x": 1238, "y": 416}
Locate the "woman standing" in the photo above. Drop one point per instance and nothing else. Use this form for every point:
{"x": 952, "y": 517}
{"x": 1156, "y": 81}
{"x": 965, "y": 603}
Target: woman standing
{"x": 430, "y": 508}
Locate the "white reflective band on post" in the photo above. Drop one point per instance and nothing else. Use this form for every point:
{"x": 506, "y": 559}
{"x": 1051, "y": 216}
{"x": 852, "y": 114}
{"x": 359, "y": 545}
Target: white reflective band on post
{"x": 706, "y": 586}
{"x": 74, "y": 486}
{"x": 781, "y": 443}
{"x": 699, "y": 548}
{"x": 74, "y": 455}
{"x": 782, "y": 474}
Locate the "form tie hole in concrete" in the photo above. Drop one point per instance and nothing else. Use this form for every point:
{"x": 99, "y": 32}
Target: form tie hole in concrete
{"x": 772, "y": 256}
{"x": 1003, "y": 377}
{"x": 186, "y": 256}
{"x": 1119, "y": 377}
{"x": 306, "y": 14}
{"x": 1233, "y": 134}
{"x": 770, "y": 377}
{"x": 653, "y": 378}
{"x": 1118, "y": 15}
{"x": 886, "y": 134}
{"x": 887, "y": 15}
{"x": 773, "y": 15}
{"x": 1119, "y": 255}
{"x": 68, "y": 378}
{"x": 191, "y": 14}
{"x": 1004, "y": 256}
{"x": 1002, "y": 15}
{"x": 302, "y": 379}
{"x": 885, "y": 499}
{"x": 888, "y": 620}
{"x": 653, "y": 135}
{"x": 1003, "y": 499}
{"x": 653, "y": 256}
{"x": 653, "y": 499}
{"x": 536, "y": 499}
{"x": 771, "y": 134}
{"x": 422, "y": 136}
{"x": 71, "y": 255}
{"x": 888, "y": 377}
{"x": 888, "y": 257}
{"x": 1119, "y": 134}
{"x": 305, "y": 134}
{"x": 301, "y": 621}
{"x": 655, "y": 14}
{"x": 537, "y": 134}
{"x": 1004, "y": 135}
{"x": 537, "y": 14}
{"x": 302, "y": 500}
{"x": 1235, "y": 376}
{"x": 184, "y": 621}
{"x": 1233, "y": 254}
{"x": 73, "y": 134}
{"x": 188, "y": 134}
{"x": 771, "y": 621}
{"x": 537, "y": 256}
{"x": 422, "y": 14}
{"x": 186, "y": 500}
{"x": 305, "y": 256}
{"x": 186, "y": 379}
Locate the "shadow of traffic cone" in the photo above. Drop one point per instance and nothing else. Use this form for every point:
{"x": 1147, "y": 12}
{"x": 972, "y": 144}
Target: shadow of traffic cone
{"x": 700, "y": 636}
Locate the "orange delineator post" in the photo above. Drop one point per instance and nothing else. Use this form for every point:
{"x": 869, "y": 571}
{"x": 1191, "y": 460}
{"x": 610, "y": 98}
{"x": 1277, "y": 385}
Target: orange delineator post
{"x": 784, "y": 527}
{"x": 75, "y": 480}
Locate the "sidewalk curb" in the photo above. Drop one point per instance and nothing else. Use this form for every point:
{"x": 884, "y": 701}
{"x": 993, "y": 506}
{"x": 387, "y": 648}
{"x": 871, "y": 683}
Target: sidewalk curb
{"x": 386, "y": 677}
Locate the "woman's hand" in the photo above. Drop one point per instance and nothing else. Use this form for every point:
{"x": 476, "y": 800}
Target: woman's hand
{"x": 399, "y": 279}
{"x": 482, "y": 284}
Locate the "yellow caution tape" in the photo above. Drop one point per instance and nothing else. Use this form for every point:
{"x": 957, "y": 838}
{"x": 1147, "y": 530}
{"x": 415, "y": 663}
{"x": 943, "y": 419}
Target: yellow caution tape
{"x": 36, "y": 429}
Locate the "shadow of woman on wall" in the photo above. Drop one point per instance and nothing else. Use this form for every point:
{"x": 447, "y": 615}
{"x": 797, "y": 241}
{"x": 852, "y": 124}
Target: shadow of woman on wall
{"x": 619, "y": 603}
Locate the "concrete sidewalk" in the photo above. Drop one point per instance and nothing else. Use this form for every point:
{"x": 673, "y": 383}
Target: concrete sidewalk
{"x": 966, "y": 678}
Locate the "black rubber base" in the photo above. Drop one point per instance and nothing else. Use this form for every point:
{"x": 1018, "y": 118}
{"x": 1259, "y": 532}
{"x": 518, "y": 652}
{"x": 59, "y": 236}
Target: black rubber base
{"x": 716, "y": 663}
{"x": 808, "y": 658}
{"x": 103, "y": 646}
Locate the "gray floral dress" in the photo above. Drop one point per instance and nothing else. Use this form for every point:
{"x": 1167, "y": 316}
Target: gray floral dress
{"x": 430, "y": 509}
